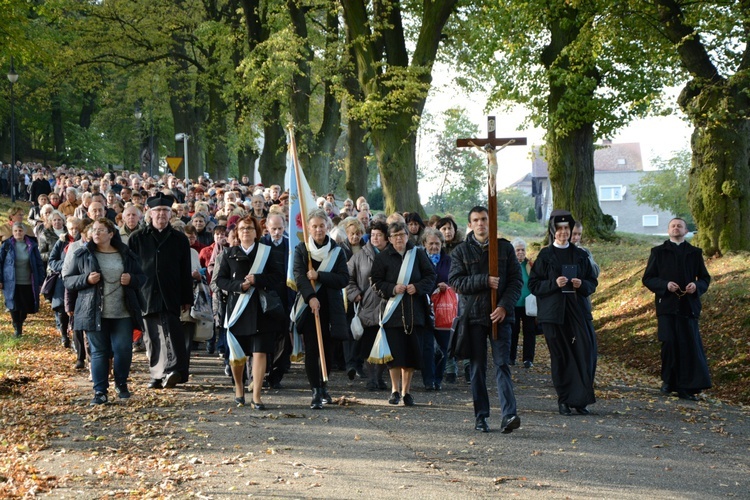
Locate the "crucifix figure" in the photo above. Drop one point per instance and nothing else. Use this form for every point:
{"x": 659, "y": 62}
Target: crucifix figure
{"x": 488, "y": 145}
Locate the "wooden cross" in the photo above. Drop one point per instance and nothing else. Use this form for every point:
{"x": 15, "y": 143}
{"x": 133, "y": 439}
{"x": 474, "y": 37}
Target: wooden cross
{"x": 487, "y": 145}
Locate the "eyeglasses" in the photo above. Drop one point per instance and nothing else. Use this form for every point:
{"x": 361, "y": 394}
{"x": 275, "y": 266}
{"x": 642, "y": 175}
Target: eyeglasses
{"x": 100, "y": 230}
{"x": 246, "y": 228}
{"x": 398, "y": 235}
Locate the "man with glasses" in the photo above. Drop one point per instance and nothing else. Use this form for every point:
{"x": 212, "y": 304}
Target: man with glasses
{"x": 165, "y": 259}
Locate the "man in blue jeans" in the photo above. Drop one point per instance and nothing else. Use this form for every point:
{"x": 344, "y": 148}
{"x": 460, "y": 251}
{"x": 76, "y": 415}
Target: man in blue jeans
{"x": 469, "y": 276}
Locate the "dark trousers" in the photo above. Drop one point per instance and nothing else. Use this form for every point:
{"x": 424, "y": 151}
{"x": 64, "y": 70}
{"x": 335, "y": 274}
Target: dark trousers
{"x": 281, "y": 358}
{"x": 529, "y": 335}
{"x": 312, "y": 352}
{"x": 500, "y": 358}
{"x": 432, "y": 372}
{"x": 165, "y": 346}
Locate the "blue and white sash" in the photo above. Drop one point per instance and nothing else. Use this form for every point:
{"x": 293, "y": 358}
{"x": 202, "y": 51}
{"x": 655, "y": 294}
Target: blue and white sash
{"x": 259, "y": 264}
{"x": 325, "y": 267}
{"x": 403, "y": 279}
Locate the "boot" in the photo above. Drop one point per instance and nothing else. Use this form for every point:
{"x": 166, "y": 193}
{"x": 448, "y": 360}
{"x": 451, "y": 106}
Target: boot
{"x": 317, "y": 401}
{"x": 18, "y": 330}
{"x": 327, "y": 399}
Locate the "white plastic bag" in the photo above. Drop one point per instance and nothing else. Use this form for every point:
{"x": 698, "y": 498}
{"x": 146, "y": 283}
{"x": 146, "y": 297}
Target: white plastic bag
{"x": 531, "y": 306}
{"x": 356, "y": 324}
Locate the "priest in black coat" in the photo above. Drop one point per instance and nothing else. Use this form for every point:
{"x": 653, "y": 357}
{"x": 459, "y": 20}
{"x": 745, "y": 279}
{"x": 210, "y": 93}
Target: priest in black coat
{"x": 165, "y": 258}
{"x": 677, "y": 275}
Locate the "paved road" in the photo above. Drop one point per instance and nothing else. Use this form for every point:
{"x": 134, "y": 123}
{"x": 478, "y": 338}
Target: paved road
{"x": 194, "y": 442}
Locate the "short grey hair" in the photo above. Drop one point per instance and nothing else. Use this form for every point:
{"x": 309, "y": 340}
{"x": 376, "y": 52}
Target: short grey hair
{"x": 518, "y": 242}
{"x": 317, "y": 213}
{"x": 431, "y": 231}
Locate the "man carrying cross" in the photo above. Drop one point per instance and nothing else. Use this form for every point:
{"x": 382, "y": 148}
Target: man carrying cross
{"x": 486, "y": 273}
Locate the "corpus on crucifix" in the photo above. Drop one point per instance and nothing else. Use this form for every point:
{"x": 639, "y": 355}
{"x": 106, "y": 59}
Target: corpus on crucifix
{"x": 490, "y": 145}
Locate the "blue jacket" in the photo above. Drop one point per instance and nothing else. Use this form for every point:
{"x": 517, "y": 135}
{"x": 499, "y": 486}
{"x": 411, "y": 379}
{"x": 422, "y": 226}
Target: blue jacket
{"x": 8, "y": 265}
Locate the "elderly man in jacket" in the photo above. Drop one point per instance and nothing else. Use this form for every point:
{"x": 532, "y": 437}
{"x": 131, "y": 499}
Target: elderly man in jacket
{"x": 469, "y": 276}
{"x": 165, "y": 259}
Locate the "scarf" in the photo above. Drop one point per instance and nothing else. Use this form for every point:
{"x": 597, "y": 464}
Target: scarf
{"x": 316, "y": 253}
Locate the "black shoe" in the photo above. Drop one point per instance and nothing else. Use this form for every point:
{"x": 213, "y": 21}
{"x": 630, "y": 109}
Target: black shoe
{"x": 666, "y": 389}
{"x": 382, "y": 385}
{"x": 258, "y": 406}
{"x": 66, "y": 342}
{"x": 155, "y": 384}
{"x": 171, "y": 379}
{"x": 351, "y": 373}
{"x": 528, "y": 364}
{"x": 394, "y": 399}
{"x": 240, "y": 401}
{"x": 450, "y": 378}
{"x": 687, "y": 395}
{"x": 80, "y": 365}
{"x": 317, "y": 401}
{"x": 438, "y": 386}
{"x": 581, "y": 410}
{"x": 564, "y": 409}
{"x": 122, "y": 391}
{"x": 481, "y": 425}
{"x": 100, "y": 398}
{"x": 510, "y": 422}
{"x": 325, "y": 397}
{"x": 408, "y": 400}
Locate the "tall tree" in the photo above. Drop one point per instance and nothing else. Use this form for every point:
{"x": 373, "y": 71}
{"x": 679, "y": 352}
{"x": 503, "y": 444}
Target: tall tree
{"x": 394, "y": 85}
{"x": 712, "y": 43}
{"x": 578, "y": 72}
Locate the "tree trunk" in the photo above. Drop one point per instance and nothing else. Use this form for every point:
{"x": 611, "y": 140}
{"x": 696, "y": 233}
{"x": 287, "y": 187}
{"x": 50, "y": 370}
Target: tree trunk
{"x": 57, "y": 128}
{"x": 395, "y": 150}
{"x": 216, "y": 136}
{"x": 272, "y": 166}
{"x": 356, "y": 160}
{"x": 570, "y": 141}
{"x": 719, "y": 192}
{"x": 246, "y": 157}
{"x": 87, "y": 109}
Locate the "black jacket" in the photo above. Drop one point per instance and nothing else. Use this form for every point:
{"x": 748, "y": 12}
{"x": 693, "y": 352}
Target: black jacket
{"x": 235, "y": 265}
{"x": 88, "y": 304}
{"x": 165, "y": 259}
{"x": 550, "y": 298}
{"x": 385, "y": 270}
{"x": 331, "y": 283}
{"x": 668, "y": 262}
{"x": 469, "y": 275}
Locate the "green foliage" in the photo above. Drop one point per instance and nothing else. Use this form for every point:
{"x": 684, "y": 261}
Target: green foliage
{"x": 513, "y": 200}
{"x": 376, "y": 199}
{"x": 460, "y": 174}
{"x": 667, "y": 188}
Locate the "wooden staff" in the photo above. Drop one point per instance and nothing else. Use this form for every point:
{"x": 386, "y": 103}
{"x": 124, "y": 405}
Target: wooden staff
{"x": 305, "y": 235}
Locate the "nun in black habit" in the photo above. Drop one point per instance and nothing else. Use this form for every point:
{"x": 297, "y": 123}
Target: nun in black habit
{"x": 562, "y": 278}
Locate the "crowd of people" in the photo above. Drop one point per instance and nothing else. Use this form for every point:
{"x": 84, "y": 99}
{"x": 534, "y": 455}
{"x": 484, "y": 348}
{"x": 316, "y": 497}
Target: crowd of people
{"x": 123, "y": 259}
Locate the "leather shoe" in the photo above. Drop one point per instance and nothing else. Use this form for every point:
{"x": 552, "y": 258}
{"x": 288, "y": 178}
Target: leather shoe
{"x": 666, "y": 389}
{"x": 510, "y": 422}
{"x": 240, "y": 401}
{"x": 581, "y": 410}
{"x": 327, "y": 399}
{"x": 171, "y": 380}
{"x": 155, "y": 384}
{"x": 394, "y": 399}
{"x": 481, "y": 425}
{"x": 564, "y": 409}
{"x": 687, "y": 395}
{"x": 317, "y": 401}
{"x": 351, "y": 373}
{"x": 408, "y": 400}
{"x": 258, "y": 406}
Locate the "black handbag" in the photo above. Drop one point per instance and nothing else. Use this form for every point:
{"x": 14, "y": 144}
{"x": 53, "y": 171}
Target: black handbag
{"x": 270, "y": 304}
{"x": 49, "y": 284}
{"x": 459, "y": 345}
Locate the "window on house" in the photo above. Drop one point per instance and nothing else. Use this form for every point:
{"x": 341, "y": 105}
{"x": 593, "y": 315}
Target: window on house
{"x": 650, "y": 220}
{"x": 622, "y": 161}
{"x": 610, "y": 193}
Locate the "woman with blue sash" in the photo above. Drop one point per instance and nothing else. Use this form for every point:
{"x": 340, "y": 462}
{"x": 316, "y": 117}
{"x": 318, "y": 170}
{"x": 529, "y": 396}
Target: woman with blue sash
{"x": 246, "y": 268}
{"x": 320, "y": 273}
{"x": 403, "y": 277}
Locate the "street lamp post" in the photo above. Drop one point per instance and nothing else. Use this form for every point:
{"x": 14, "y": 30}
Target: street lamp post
{"x": 184, "y": 138}
{"x": 13, "y": 78}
